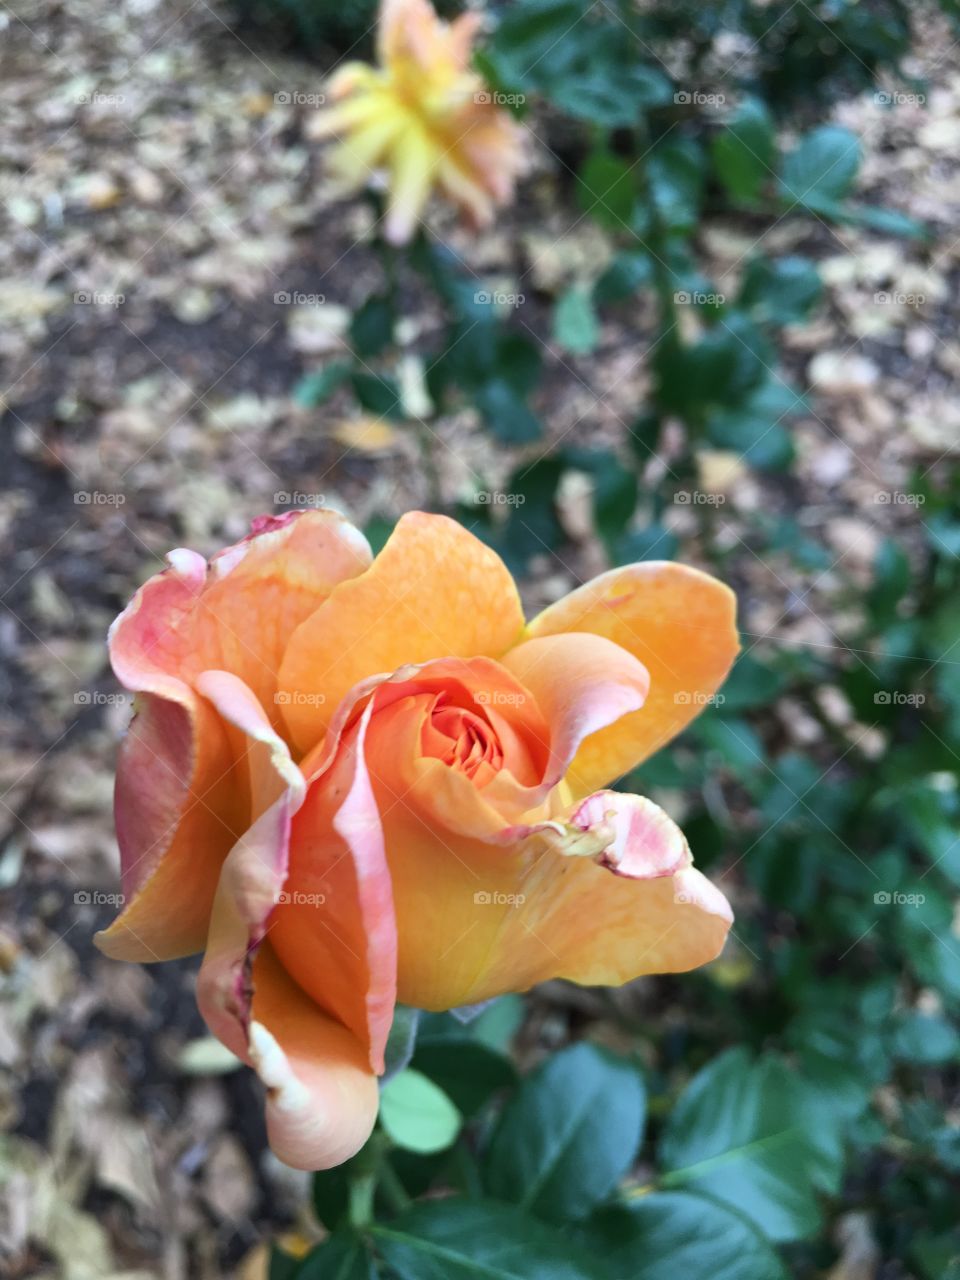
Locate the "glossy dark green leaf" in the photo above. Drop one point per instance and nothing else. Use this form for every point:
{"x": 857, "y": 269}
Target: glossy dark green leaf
{"x": 627, "y": 272}
{"x": 371, "y": 328}
{"x": 822, "y": 167}
{"x": 506, "y": 413}
{"x": 755, "y": 1136}
{"x": 674, "y": 1234}
{"x": 344, "y": 1256}
{"x": 607, "y": 189}
{"x": 467, "y": 1070}
{"x": 316, "y": 388}
{"x": 474, "y": 1240}
{"x": 568, "y": 1135}
{"x": 926, "y": 1039}
{"x": 744, "y": 154}
{"x": 675, "y": 177}
{"x": 378, "y": 395}
{"x": 575, "y": 326}
{"x": 402, "y": 1039}
{"x": 779, "y": 291}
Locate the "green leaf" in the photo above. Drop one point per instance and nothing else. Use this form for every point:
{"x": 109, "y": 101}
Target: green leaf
{"x": 417, "y": 1114}
{"x": 282, "y": 1266}
{"x": 891, "y": 581}
{"x": 344, "y": 1256}
{"x": 750, "y": 684}
{"x": 926, "y": 1040}
{"x": 756, "y": 1137}
{"x": 720, "y": 372}
{"x": 781, "y": 291}
{"x": 655, "y": 542}
{"x": 675, "y": 178}
{"x": 376, "y": 531}
{"x": 506, "y": 413}
{"x": 380, "y": 396}
{"x": 330, "y": 1189}
{"x": 626, "y": 273}
{"x": 671, "y": 1234}
{"x": 474, "y": 1240}
{"x": 745, "y": 152}
{"x": 755, "y": 429}
{"x": 575, "y": 327}
{"x": 402, "y": 1039}
{"x": 607, "y": 189}
{"x": 372, "y": 326}
{"x": 316, "y": 388}
{"x": 468, "y": 1071}
{"x": 502, "y": 1018}
{"x": 822, "y": 167}
{"x": 568, "y": 1135}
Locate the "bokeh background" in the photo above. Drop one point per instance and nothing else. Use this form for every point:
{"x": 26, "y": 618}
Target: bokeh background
{"x": 718, "y": 324}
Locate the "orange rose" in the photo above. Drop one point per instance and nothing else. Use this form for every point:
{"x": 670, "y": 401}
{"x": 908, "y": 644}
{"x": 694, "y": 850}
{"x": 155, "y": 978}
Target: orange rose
{"x": 353, "y": 783}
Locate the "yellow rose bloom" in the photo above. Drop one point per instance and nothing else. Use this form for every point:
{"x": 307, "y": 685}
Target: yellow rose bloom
{"x": 425, "y": 118}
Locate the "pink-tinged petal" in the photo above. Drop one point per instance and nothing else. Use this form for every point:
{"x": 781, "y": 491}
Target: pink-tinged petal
{"x": 237, "y": 613}
{"x": 254, "y": 872}
{"x": 680, "y": 624}
{"x": 434, "y": 591}
{"x": 179, "y": 808}
{"x": 178, "y": 812}
{"x": 589, "y": 897}
{"x": 629, "y": 835}
{"x": 334, "y": 928}
{"x": 582, "y": 684}
{"x": 322, "y": 1097}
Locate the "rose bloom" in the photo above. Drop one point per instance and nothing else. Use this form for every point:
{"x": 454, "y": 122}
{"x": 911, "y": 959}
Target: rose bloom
{"x": 425, "y": 117}
{"x": 352, "y": 782}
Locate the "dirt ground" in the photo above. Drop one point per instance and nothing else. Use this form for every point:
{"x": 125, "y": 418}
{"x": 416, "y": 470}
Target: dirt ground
{"x": 158, "y": 205}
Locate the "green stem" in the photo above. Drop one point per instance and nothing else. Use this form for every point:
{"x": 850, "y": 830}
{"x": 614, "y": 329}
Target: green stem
{"x": 393, "y": 1188}
{"x": 360, "y": 1210}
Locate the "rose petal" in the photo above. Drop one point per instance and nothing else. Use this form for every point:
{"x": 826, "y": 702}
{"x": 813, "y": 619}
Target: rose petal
{"x": 256, "y": 867}
{"x": 582, "y": 684}
{"x": 434, "y": 591}
{"x": 680, "y": 624}
{"x": 322, "y": 1096}
{"x": 334, "y": 928}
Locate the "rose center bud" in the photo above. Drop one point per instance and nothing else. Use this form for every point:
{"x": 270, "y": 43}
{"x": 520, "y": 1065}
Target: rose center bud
{"x": 462, "y": 739}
